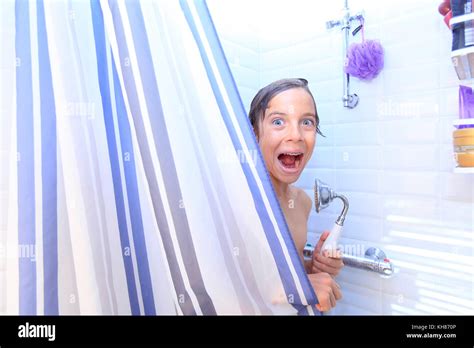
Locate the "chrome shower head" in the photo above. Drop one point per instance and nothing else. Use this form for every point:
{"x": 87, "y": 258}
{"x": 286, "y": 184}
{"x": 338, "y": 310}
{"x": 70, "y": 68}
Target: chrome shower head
{"x": 324, "y": 195}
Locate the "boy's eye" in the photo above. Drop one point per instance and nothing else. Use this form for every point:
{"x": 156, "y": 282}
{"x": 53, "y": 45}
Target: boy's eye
{"x": 277, "y": 122}
{"x": 308, "y": 122}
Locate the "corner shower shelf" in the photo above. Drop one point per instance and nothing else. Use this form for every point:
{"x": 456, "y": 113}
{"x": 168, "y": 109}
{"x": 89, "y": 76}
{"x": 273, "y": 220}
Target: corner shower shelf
{"x": 464, "y": 170}
{"x": 463, "y": 59}
{"x": 464, "y": 122}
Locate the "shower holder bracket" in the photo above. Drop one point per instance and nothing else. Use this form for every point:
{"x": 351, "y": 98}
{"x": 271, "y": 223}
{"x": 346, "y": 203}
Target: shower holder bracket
{"x": 351, "y": 101}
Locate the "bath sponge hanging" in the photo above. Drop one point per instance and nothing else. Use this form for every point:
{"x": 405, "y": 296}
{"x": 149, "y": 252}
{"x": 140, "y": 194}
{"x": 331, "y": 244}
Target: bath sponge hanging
{"x": 364, "y": 60}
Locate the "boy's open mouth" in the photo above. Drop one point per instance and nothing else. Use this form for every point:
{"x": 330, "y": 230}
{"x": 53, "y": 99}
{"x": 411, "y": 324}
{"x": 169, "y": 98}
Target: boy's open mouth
{"x": 290, "y": 160}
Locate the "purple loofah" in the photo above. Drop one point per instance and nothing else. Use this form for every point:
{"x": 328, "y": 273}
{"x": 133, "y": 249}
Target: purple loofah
{"x": 364, "y": 60}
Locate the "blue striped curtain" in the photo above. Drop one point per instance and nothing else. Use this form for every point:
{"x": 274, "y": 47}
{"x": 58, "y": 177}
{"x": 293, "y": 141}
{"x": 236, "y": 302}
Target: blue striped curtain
{"x": 136, "y": 185}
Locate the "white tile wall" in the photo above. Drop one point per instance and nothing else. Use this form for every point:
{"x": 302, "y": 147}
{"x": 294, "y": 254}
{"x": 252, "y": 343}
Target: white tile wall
{"x": 392, "y": 155}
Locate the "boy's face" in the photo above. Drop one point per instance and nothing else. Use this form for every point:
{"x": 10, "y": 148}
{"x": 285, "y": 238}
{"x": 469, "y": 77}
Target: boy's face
{"x": 287, "y": 134}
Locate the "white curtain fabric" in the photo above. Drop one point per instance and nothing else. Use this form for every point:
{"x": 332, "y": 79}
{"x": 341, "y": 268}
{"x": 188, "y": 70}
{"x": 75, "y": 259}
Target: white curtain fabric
{"x": 135, "y": 182}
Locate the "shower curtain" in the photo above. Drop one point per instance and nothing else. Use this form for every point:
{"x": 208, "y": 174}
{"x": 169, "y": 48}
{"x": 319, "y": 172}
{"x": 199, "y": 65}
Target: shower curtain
{"x": 135, "y": 184}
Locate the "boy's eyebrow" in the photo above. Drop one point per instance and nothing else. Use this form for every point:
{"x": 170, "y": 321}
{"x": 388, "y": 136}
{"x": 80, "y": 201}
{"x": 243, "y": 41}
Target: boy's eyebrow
{"x": 285, "y": 114}
{"x": 309, "y": 114}
{"x": 277, "y": 113}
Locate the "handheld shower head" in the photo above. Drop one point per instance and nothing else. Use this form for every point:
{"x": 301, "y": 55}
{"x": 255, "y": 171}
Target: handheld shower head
{"x": 324, "y": 195}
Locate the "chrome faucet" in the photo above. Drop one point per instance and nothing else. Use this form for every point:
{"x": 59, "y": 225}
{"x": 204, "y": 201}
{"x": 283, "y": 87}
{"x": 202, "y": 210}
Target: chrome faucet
{"x": 374, "y": 260}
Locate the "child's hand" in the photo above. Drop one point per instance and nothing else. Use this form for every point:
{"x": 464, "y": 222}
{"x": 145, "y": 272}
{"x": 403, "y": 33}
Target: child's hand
{"x": 323, "y": 263}
{"x": 326, "y": 289}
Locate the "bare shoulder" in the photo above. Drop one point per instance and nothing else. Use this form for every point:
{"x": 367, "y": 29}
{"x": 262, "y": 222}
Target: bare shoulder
{"x": 304, "y": 200}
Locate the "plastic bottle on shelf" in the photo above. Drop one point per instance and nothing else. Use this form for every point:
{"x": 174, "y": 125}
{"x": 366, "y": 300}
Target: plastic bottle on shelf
{"x": 463, "y": 33}
{"x": 463, "y": 136}
{"x": 468, "y": 25}
{"x": 457, "y": 10}
{"x": 466, "y": 105}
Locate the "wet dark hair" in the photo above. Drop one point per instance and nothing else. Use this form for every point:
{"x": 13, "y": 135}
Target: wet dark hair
{"x": 262, "y": 98}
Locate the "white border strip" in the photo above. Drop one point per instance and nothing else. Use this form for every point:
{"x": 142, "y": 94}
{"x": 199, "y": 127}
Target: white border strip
{"x": 35, "y": 85}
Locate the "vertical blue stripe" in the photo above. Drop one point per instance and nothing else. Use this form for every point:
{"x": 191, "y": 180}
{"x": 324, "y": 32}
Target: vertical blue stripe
{"x": 224, "y": 71}
{"x": 104, "y": 85}
{"x": 26, "y": 167}
{"x": 49, "y": 170}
